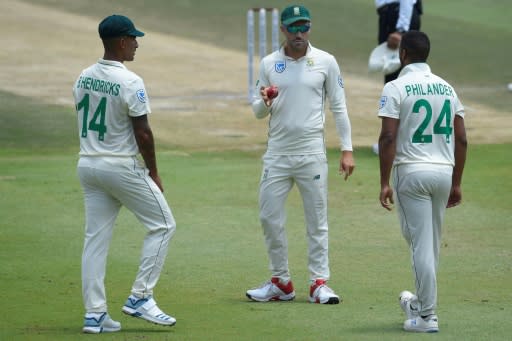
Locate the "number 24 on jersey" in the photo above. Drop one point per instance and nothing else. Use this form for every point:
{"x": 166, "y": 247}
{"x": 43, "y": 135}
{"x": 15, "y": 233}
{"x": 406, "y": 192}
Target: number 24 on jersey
{"x": 445, "y": 116}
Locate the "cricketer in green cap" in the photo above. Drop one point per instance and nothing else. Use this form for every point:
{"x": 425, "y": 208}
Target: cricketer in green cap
{"x": 116, "y": 25}
{"x": 294, "y": 13}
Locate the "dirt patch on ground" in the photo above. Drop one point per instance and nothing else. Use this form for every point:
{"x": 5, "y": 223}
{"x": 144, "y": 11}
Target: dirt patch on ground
{"x": 198, "y": 92}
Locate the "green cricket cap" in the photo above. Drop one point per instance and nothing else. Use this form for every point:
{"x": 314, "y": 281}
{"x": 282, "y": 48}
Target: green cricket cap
{"x": 115, "y": 26}
{"x": 294, "y": 13}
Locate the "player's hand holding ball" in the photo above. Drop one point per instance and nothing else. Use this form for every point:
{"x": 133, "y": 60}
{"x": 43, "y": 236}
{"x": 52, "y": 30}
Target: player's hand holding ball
{"x": 269, "y": 93}
{"x": 272, "y": 92}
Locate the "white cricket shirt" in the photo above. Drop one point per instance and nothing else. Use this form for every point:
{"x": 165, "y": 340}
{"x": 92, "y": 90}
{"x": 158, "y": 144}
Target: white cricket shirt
{"x": 426, "y": 106}
{"x": 297, "y": 115}
{"x": 106, "y": 95}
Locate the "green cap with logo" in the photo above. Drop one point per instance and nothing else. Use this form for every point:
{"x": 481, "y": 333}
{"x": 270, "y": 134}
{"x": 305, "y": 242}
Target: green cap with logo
{"x": 115, "y": 26}
{"x": 294, "y": 13}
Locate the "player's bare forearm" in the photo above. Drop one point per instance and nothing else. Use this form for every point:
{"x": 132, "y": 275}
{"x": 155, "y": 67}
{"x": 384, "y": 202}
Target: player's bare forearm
{"x": 147, "y": 150}
{"x": 387, "y": 148}
{"x": 145, "y": 142}
{"x": 386, "y": 156}
{"x": 461, "y": 145}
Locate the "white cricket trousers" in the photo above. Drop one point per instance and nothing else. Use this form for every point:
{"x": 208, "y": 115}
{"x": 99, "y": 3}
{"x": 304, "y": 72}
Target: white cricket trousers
{"x": 309, "y": 172}
{"x": 422, "y": 192}
{"x": 109, "y": 183}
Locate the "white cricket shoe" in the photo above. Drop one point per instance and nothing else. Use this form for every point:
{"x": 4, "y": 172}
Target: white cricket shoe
{"x": 319, "y": 292}
{"x": 273, "y": 290}
{"x": 146, "y": 309}
{"x": 422, "y": 325}
{"x": 95, "y": 323}
{"x": 405, "y": 299}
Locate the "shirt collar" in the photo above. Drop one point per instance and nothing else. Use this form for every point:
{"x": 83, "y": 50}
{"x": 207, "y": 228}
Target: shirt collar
{"x": 415, "y": 67}
{"x": 308, "y": 52}
{"x": 111, "y": 63}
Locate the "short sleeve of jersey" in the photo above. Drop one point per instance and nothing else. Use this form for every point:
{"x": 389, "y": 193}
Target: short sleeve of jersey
{"x": 136, "y": 98}
{"x": 389, "y": 103}
{"x": 459, "y": 108}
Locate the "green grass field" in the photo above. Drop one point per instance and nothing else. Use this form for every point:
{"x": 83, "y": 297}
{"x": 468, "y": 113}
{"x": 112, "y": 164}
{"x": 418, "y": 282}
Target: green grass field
{"x": 218, "y": 251}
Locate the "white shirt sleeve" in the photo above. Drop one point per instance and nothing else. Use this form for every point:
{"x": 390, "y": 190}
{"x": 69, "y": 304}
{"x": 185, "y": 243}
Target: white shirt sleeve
{"x": 336, "y": 95}
{"x": 459, "y": 108}
{"x": 404, "y": 15}
{"x": 389, "y": 105}
{"x": 344, "y": 131}
{"x": 259, "y": 107}
{"x": 136, "y": 98}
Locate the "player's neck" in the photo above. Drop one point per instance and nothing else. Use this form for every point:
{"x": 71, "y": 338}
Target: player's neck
{"x": 112, "y": 56}
{"x": 295, "y": 54}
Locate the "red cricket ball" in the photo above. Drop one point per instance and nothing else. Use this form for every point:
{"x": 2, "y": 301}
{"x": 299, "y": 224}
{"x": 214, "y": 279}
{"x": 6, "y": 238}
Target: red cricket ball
{"x": 272, "y": 92}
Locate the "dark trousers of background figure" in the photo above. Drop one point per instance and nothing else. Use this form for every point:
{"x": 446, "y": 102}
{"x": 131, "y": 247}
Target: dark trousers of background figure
{"x": 388, "y": 17}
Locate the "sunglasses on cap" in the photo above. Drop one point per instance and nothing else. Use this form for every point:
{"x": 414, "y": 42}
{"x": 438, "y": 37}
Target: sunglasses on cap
{"x": 298, "y": 28}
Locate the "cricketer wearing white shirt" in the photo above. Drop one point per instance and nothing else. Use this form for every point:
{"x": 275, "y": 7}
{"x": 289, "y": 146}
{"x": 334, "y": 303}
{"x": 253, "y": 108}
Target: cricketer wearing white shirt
{"x": 109, "y": 87}
{"x": 423, "y": 145}
{"x": 296, "y": 151}
{"x": 108, "y": 97}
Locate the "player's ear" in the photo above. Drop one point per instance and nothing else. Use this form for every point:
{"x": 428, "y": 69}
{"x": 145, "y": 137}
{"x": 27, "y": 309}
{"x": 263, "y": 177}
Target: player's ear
{"x": 122, "y": 42}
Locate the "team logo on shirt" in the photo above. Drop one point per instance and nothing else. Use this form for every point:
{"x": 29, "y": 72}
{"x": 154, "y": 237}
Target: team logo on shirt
{"x": 310, "y": 62}
{"x": 280, "y": 66}
{"x": 141, "y": 95}
{"x": 340, "y": 81}
{"x": 383, "y": 101}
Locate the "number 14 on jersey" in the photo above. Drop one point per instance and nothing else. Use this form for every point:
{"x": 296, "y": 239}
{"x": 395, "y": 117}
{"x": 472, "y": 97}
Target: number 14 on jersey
{"x": 97, "y": 122}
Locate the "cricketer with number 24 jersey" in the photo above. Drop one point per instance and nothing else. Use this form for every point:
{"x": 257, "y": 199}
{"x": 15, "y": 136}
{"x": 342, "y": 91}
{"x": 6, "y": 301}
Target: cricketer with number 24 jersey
{"x": 429, "y": 107}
